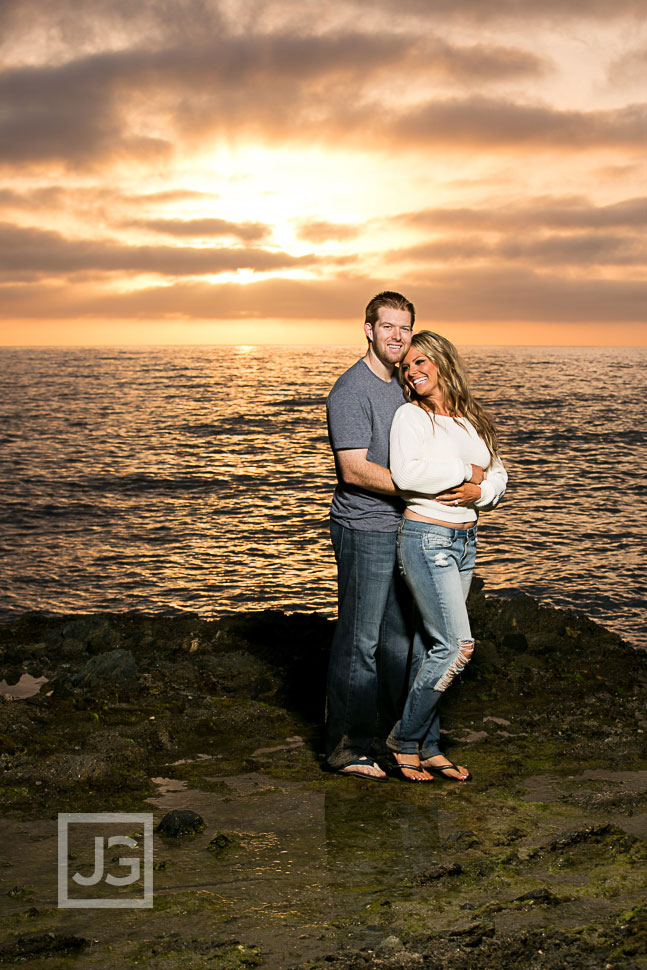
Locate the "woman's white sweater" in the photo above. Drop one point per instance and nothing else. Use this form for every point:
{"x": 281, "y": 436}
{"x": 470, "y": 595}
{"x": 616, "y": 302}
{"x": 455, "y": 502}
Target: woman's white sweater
{"x": 430, "y": 455}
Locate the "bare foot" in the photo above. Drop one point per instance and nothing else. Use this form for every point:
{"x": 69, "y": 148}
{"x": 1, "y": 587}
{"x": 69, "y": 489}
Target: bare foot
{"x": 363, "y": 767}
{"x": 411, "y": 769}
{"x": 445, "y": 768}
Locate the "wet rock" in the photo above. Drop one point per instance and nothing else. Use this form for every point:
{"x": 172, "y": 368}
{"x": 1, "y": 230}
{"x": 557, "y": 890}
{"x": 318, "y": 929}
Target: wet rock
{"x": 474, "y": 934}
{"x": 439, "y": 872}
{"x": 516, "y": 642}
{"x": 390, "y": 946}
{"x": 485, "y": 652}
{"x": 182, "y": 822}
{"x": 241, "y": 674}
{"x": 228, "y": 953}
{"x": 117, "y": 665}
{"x": 392, "y": 954}
{"x": 70, "y": 638}
{"x": 510, "y": 836}
{"x": 219, "y": 843}
{"x": 193, "y": 644}
{"x": 542, "y": 897}
{"x": 40, "y": 945}
{"x": 18, "y": 891}
{"x": 11, "y": 675}
{"x": 631, "y": 933}
{"x": 93, "y": 633}
{"x": 568, "y": 839}
{"x": 460, "y": 840}
{"x": 61, "y": 687}
{"x": 295, "y": 647}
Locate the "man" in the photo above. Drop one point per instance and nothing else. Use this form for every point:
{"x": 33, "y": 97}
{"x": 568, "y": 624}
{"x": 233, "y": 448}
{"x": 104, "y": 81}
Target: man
{"x": 373, "y": 628}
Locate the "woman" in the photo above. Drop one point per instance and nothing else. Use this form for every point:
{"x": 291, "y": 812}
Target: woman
{"x": 444, "y": 462}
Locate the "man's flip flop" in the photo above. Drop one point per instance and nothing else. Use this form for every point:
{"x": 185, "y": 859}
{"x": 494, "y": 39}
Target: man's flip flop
{"x": 361, "y": 762}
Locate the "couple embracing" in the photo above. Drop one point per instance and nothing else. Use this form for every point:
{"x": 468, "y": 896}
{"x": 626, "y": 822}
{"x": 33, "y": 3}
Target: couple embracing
{"x": 408, "y": 437}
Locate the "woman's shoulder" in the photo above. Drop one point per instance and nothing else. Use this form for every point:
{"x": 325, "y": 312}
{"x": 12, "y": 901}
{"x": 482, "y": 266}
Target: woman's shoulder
{"x": 408, "y": 413}
{"x": 410, "y": 409}
{"x": 409, "y": 418}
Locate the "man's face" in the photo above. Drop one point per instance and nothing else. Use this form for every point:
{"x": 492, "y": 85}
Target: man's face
{"x": 390, "y": 335}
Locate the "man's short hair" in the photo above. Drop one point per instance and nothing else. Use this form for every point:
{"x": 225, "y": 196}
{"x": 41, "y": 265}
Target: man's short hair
{"x": 395, "y": 301}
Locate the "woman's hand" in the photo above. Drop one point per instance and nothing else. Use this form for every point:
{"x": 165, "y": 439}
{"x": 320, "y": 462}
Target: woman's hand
{"x": 463, "y": 494}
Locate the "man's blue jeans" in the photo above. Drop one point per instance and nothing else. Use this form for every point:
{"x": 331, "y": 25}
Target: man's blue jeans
{"x": 368, "y": 672}
{"x": 437, "y": 563}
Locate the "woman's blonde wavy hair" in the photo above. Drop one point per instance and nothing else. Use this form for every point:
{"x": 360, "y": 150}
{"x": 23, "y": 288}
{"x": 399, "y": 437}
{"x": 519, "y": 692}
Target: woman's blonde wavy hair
{"x": 452, "y": 381}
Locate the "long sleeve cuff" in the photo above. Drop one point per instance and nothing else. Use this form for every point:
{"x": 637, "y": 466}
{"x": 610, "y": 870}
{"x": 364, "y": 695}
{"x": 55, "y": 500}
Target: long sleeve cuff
{"x": 488, "y": 495}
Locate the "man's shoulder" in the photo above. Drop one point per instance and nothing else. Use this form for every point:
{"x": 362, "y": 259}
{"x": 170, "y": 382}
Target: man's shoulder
{"x": 352, "y": 379}
{"x": 360, "y": 381}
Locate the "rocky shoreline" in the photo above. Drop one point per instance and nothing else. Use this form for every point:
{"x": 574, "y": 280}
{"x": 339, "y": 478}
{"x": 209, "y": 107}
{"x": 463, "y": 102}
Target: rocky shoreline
{"x": 537, "y": 863}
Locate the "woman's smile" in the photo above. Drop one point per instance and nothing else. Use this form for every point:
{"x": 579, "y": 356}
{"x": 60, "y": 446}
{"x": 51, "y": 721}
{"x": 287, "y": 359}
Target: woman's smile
{"x": 421, "y": 374}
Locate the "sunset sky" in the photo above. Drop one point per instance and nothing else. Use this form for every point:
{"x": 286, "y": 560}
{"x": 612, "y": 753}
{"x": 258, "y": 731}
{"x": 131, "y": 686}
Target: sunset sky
{"x": 253, "y": 171}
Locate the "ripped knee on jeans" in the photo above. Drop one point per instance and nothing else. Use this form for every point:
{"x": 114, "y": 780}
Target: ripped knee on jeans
{"x": 461, "y": 660}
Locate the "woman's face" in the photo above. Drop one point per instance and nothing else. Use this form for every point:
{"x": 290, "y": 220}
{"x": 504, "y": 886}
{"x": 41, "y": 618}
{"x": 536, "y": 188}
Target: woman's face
{"x": 420, "y": 374}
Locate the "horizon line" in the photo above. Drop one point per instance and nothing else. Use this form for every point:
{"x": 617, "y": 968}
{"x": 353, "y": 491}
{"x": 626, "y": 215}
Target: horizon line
{"x": 139, "y": 346}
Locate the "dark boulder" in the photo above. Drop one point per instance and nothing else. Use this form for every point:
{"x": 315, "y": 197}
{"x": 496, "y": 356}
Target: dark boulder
{"x": 117, "y": 665}
{"x": 180, "y": 822}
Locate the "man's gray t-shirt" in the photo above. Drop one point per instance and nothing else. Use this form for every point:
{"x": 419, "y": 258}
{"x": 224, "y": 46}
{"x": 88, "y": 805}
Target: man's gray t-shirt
{"x": 360, "y": 409}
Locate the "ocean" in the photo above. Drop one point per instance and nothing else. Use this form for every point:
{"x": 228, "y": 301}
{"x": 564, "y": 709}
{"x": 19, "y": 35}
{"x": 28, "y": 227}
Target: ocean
{"x": 166, "y": 479}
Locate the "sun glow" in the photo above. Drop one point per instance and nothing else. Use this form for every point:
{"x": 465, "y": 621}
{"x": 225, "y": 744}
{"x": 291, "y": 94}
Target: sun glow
{"x": 285, "y": 189}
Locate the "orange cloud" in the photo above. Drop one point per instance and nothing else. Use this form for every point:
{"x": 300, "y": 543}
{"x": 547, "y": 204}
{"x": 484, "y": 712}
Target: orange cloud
{"x": 474, "y": 294}
{"x": 210, "y": 228}
{"x": 32, "y": 253}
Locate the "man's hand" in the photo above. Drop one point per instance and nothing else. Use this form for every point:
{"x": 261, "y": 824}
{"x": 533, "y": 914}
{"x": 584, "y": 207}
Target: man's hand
{"x": 355, "y": 469}
{"x": 463, "y": 494}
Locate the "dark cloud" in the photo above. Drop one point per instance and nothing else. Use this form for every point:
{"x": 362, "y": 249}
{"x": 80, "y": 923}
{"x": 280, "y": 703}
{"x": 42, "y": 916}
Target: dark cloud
{"x": 478, "y": 294}
{"x": 493, "y": 11}
{"x": 517, "y": 293}
{"x": 581, "y": 249}
{"x": 479, "y": 62}
{"x": 487, "y": 123}
{"x": 89, "y": 112}
{"x": 71, "y": 114}
{"x": 599, "y": 249}
{"x": 630, "y": 68}
{"x": 547, "y": 231}
{"x": 210, "y": 228}
{"x": 90, "y": 109}
{"x": 77, "y": 24}
{"x": 40, "y": 253}
{"x": 57, "y": 197}
{"x": 543, "y": 212}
